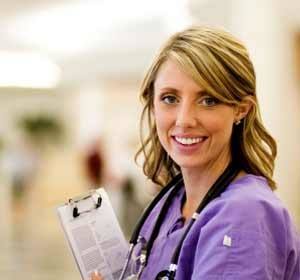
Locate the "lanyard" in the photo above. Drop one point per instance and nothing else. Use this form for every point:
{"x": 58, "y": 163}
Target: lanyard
{"x": 174, "y": 186}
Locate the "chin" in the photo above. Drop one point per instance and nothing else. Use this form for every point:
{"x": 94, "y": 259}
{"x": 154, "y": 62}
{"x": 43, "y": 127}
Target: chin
{"x": 188, "y": 164}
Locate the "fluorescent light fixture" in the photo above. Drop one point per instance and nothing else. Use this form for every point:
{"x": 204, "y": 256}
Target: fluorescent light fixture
{"x": 27, "y": 70}
{"x": 77, "y": 26}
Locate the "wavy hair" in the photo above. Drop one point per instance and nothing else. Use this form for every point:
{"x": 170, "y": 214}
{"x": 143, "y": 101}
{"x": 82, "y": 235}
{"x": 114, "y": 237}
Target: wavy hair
{"x": 219, "y": 63}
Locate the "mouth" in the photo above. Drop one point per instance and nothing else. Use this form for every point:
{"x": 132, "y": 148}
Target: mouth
{"x": 189, "y": 141}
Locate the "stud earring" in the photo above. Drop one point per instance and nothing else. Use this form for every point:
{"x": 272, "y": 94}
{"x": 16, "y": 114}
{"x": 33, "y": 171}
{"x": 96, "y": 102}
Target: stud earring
{"x": 237, "y": 122}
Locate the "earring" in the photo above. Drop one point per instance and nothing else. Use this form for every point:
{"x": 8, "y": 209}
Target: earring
{"x": 237, "y": 122}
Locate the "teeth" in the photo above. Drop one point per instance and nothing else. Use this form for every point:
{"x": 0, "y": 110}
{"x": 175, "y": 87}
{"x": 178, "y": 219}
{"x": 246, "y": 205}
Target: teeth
{"x": 189, "y": 141}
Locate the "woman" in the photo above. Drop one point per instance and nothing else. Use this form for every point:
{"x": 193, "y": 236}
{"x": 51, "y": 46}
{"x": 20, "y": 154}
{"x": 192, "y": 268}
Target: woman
{"x": 203, "y": 114}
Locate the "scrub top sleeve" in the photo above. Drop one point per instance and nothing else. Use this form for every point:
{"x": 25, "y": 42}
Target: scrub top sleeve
{"x": 293, "y": 264}
{"x": 233, "y": 245}
{"x": 231, "y": 254}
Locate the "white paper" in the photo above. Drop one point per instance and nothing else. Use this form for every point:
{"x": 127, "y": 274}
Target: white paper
{"x": 95, "y": 238}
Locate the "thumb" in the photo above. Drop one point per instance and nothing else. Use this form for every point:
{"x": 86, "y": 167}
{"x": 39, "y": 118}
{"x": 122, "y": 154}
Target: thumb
{"x": 96, "y": 276}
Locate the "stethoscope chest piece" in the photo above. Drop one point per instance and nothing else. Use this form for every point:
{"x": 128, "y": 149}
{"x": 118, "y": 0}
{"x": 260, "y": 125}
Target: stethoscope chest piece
{"x": 165, "y": 275}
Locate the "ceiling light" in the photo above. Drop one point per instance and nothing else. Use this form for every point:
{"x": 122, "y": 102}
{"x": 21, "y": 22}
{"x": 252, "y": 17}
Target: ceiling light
{"x": 27, "y": 70}
{"x": 75, "y": 27}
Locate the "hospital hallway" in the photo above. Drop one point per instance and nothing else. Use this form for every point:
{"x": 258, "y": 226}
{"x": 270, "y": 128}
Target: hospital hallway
{"x": 32, "y": 243}
{"x": 71, "y": 74}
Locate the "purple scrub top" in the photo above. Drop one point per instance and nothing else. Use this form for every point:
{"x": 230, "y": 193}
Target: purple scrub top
{"x": 246, "y": 233}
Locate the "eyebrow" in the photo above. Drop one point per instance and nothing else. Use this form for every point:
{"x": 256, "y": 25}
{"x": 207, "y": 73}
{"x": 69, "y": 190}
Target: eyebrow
{"x": 168, "y": 89}
{"x": 200, "y": 92}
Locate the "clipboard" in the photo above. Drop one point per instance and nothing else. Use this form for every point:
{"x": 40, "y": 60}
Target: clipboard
{"x": 94, "y": 235}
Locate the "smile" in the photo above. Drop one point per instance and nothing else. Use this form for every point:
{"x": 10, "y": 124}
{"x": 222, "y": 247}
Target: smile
{"x": 189, "y": 140}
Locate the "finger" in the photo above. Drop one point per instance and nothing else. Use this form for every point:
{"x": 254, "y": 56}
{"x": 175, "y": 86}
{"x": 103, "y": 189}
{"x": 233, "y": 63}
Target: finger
{"x": 96, "y": 276}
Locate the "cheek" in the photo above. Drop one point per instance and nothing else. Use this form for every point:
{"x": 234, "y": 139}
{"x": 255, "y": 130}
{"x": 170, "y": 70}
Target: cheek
{"x": 221, "y": 127}
{"x": 162, "y": 118}
{"x": 163, "y": 124}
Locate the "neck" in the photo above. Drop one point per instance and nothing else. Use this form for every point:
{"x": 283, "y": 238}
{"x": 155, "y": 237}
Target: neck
{"x": 197, "y": 183}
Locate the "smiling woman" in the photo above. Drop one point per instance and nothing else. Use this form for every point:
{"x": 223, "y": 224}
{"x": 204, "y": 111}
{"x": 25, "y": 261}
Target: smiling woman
{"x": 214, "y": 62}
{"x": 216, "y": 216}
{"x": 193, "y": 127}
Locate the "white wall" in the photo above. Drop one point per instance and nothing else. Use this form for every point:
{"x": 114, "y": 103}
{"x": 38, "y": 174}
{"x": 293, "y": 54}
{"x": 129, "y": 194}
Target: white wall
{"x": 268, "y": 35}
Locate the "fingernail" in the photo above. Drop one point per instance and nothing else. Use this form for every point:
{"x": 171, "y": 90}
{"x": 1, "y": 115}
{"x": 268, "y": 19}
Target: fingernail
{"x": 96, "y": 272}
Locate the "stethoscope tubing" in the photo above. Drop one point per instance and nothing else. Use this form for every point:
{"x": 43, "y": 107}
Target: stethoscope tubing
{"x": 174, "y": 183}
{"x": 217, "y": 188}
{"x": 174, "y": 186}
{"x": 128, "y": 258}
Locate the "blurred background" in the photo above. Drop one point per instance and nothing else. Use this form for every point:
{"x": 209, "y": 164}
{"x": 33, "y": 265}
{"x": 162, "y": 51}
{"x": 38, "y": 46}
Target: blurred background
{"x": 70, "y": 72}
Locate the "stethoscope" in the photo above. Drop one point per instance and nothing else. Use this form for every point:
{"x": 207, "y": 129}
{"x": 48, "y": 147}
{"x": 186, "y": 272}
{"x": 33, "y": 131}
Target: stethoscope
{"x": 173, "y": 187}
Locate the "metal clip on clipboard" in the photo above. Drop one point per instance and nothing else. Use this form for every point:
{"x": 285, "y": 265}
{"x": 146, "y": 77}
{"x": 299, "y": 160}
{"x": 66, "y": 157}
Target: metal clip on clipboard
{"x": 73, "y": 203}
{"x": 90, "y": 225}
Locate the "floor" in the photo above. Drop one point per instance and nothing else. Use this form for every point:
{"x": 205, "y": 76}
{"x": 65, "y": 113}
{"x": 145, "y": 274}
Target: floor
{"x": 32, "y": 243}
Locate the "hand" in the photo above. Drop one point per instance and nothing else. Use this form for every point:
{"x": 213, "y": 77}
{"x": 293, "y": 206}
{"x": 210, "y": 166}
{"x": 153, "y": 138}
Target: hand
{"x": 96, "y": 276}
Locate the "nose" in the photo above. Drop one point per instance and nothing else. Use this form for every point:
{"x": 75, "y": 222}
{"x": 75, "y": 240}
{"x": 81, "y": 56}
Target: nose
{"x": 186, "y": 115}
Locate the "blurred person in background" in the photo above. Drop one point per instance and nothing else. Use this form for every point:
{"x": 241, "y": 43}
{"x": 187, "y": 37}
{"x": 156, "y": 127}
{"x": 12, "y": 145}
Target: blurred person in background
{"x": 217, "y": 216}
{"x": 21, "y": 162}
{"x": 94, "y": 164}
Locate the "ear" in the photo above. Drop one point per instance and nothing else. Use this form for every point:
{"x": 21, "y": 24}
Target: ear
{"x": 243, "y": 108}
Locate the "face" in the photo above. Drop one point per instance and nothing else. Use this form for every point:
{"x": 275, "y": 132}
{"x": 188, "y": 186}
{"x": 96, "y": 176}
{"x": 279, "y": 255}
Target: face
{"x": 192, "y": 126}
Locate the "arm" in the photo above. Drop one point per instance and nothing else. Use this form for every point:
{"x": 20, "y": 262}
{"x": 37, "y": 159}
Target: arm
{"x": 231, "y": 254}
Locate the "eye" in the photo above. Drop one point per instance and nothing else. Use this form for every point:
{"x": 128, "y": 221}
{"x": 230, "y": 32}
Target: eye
{"x": 169, "y": 99}
{"x": 209, "y": 101}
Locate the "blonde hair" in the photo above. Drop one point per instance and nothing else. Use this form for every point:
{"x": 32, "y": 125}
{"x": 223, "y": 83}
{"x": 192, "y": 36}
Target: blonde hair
{"x": 220, "y": 64}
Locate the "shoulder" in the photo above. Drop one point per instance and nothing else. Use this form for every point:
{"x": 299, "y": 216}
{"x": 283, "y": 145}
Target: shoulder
{"x": 250, "y": 209}
{"x": 248, "y": 202}
{"x": 247, "y": 226}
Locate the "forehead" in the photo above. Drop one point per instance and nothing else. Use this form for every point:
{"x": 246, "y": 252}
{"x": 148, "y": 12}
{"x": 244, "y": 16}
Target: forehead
{"x": 172, "y": 75}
